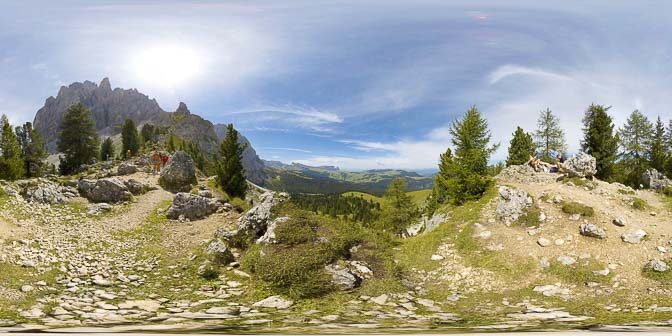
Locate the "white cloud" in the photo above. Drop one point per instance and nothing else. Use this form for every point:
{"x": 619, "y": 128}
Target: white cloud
{"x": 298, "y": 116}
{"x": 512, "y": 70}
{"x": 289, "y": 149}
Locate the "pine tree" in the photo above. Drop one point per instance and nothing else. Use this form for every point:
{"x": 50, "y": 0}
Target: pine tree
{"x": 32, "y": 150}
{"x": 106, "y": 150}
{"x": 668, "y": 142}
{"x": 468, "y": 178}
{"x": 599, "y": 140}
{"x": 549, "y": 137}
{"x": 443, "y": 177}
{"x": 11, "y": 163}
{"x": 656, "y": 151}
{"x": 78, "y": 139}
{"x": 520, "y": 148}
{"x": 635, "y": 138}
{"x": 129, "y": 138}
{"x": 230, "y": 172}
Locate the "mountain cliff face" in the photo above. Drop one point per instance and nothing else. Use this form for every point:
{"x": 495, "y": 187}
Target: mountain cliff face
{"x": 111, "y": 107}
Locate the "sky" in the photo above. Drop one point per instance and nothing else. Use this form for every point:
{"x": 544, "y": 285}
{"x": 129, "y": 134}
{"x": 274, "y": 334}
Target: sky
{"x": 355, "y": 84}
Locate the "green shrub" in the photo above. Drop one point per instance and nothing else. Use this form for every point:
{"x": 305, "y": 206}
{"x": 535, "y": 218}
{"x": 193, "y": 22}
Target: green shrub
{"x": 530, "y": 218}
{"x": 667, "y": 191}
{"x": 296, "y": 231}
{"x": 626, "y": 192}
{"x": 573, "y": 208}
{"x": 639, "y": 204}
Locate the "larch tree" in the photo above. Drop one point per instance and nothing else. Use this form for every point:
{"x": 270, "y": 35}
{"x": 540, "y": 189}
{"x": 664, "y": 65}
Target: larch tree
{"x": 657, "y": 149}
{"x": 107, "y": 149}
{"x": 129, "y": 138}
{"x": 32, "y": 150}
{"x": 549, "y": 136}
{"x": 635, "y": 138}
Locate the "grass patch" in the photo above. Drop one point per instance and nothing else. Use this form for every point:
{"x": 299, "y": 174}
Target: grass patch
{"x": 12, "y": 277}
{"x": 580, "y": 272}
{"x": 639, "y": 204}
{"x": 580, "y": 182}
{"x": 530, "y": 218}
{"x": 574, "y": 208}
{"x": 419, "y": 196}
{"x": 626, "y": 192}
{"x": 664, "y": 278}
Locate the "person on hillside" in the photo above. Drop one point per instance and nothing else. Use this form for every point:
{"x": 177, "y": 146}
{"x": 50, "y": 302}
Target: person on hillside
{"x": 164, "y": 159}
{"x": 156, "y": 162}
{"x": 128, "y": 154}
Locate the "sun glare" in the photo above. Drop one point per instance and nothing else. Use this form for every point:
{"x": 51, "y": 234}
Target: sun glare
{"x": 167, "y": 66}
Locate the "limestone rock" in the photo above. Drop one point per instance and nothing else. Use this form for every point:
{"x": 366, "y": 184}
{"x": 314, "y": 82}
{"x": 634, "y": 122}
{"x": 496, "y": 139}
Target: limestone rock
{"x": 136, "y": 187}
{"x": 634, "y": 236}
{"x": 126, "y": 169}
{"x": 581, "y": 165}
{"x": 179, "y": 174}
{"x": 275, "y": 301}
{"x": 656, "y": 180}
{"x": 512, "y": 203}
{"x": 658, "y": 265}
{"x": 342, "y": 277}
{"x": 592, "y": 230}
{"x": 192, "y": 206}
{"x": 105, "y": 190}
{"x": 219, "y": 252}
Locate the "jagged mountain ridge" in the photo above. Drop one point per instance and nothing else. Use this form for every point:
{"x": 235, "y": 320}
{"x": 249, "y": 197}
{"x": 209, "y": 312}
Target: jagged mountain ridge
{"x": 111, "y": 107}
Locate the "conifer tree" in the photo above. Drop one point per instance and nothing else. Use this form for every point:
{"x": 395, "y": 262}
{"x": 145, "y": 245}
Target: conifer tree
{"x": 549, "y": 137}
{"x": 230, "y": 172}
{"x": 443, "y": 177}
{"x": 106, "y": 149}
{"x": 599, "y": 140}
{"x": 635, "y": 138}
{"x": 78, "y": 139}
{"x": 468, "y": 178}
{"x": 657, "y": 152}
{"x": 668, "y": 142}
{"x": 148, "y": 134}
{"x": 129, "y": 138}
{"x": 32, "y": 150}
{"x": 171, "y": 146}
{"x": 520, "y": 148}
{"x": 400, "y": 210}
{"x": 11, "y": 163}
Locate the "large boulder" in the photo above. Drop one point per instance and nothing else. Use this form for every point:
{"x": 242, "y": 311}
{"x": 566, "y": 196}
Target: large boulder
{"x": 656, "y": 180}
{"x": 581, "y": 165}
{"x": 512, "y": 203}
{"x": 136, "y": 187}
{"x": 126, "y": 169}
{"x": 219, "y": 252}
{"x": 192, "y": 206}
{"x": 634, "y": 236}
{"x": 105, "y": 190}
{"x": 179, "y": 174}
{"x": 342, "y": 277}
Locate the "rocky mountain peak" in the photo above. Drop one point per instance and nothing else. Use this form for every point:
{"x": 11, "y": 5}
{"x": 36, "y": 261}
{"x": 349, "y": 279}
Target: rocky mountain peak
{"x": 105, "y": 84}
{"x": 182, "y": 109}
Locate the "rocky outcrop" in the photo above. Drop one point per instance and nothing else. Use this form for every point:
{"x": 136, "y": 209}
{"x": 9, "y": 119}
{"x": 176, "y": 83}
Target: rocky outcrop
{"x": 512, "y": 203}
{"x": 341, "y": 277}
{"x": 179, "y": 174}
{"x": 44, "y": 191}
{"x": 658, "y": 265}
{"x": 592, "y": 230}
{"x": 581, "y": 165}
{"x": 254, "y": 223}
{"x": 105, "y": 190}
{"x": 192, "y": 207}
{"x": 656, "y": 180}
{"x": 219, "y": 252}
{"x": 269, "y": 235}
{"x": 426, "y": 224}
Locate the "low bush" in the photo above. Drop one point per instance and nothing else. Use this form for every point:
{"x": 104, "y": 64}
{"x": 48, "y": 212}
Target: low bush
{"x": 639, "y": 204}
{"x": 667, "y": 191}
{"x": 296, "y": 231}
{"x": 574, "y": 208}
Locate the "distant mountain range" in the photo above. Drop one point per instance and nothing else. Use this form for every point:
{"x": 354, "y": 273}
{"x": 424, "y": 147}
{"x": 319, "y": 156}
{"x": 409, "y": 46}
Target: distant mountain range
{"x": 111, "y": 107}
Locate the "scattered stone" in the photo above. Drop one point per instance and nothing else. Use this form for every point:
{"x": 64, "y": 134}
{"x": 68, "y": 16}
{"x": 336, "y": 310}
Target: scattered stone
{"x": 97, "y": 209}
{"x": 342, "y": 277}
{"x": 619, "y": 221}
{"x": 136, "y": 187}
{"x": 543, "y": 242}
{"x": 436, "y": 257}
{"x": 380, "y": 300}
{"x": 658, "y": 265}
{"x": 634, "y": 237}
{"x": 552, "y": 290}
{"x": 27, "y": 288}
{"x": 274, "y": 302}
{"x": 592, "y": 230}
{"x": 566, "y": 260}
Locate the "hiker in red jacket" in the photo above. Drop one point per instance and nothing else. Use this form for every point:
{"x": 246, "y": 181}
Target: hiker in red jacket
{"x": 164, "y": 159}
